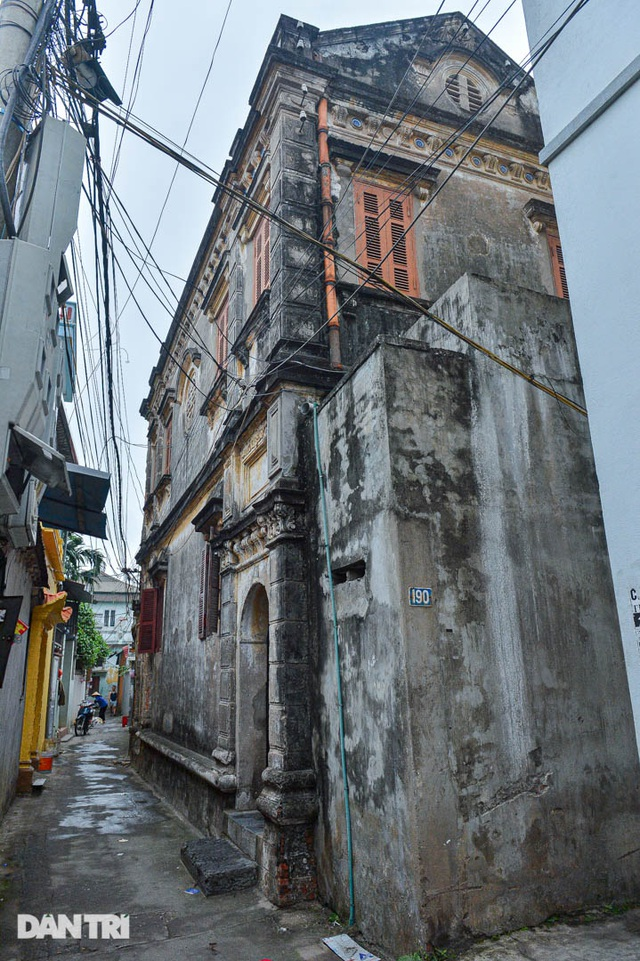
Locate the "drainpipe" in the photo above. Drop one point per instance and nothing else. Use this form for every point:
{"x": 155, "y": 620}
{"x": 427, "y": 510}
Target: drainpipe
{"x": 336, "y": 642}
{"x": 327, "y": 237}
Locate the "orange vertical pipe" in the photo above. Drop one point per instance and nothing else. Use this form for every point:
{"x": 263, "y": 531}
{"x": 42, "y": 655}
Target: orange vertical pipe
{"x": 327, "y": 236}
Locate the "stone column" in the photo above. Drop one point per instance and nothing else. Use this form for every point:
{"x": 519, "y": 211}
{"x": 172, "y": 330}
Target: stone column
{"x": 288, "y": 800}
{"x": 225, "y": 751}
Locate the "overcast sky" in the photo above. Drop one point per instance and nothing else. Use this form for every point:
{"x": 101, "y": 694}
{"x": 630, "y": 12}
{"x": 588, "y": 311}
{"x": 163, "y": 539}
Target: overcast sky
{"x": 177, "y": 55}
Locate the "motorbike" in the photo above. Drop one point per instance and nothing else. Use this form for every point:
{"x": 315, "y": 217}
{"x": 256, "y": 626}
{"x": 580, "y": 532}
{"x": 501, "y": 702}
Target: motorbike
{"x": 84, "y": 717}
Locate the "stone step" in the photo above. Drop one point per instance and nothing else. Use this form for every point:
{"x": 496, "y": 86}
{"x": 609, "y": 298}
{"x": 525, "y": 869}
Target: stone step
{"x": 218, "y": 866}
{"x": 246, "y": 830}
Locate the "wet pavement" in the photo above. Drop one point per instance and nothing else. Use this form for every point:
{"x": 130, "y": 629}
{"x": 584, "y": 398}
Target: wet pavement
{"x": 98, "y": 841}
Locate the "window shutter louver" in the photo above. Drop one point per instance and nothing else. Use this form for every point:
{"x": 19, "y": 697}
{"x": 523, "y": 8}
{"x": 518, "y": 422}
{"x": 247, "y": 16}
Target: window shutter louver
{"x": 399, "y": 256}
{"x": 147, "y": 625}
{"x": 261, "y": 255}
{"x": 382, "y": 218}
{"x": 557, "y": 264}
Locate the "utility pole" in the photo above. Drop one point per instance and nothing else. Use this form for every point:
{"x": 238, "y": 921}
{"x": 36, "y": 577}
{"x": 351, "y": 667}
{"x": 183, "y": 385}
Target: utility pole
{"x": 18, "y": 19}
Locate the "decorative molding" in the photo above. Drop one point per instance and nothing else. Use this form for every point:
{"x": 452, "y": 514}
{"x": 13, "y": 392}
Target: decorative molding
{"x": 282, "y": 520}
{"x": 541, "y": 215}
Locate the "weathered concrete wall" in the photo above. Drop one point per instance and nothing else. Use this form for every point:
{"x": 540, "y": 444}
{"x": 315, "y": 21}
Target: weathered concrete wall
{"x": 374, "y": 672}
{"x": 18, "y": 581}
{"x": 489, "y": 738}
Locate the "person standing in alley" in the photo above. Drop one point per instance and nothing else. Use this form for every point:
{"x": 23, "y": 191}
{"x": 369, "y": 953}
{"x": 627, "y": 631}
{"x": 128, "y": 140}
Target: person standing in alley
{"x": 113, "y": 700}
{"x": 102, "y": 705}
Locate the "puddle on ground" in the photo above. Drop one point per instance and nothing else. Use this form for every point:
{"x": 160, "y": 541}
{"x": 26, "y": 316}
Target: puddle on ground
{"x": 111, "y": 812}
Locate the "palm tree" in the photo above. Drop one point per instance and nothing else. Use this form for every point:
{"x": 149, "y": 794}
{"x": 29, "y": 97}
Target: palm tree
{"x": 82, "y": 563}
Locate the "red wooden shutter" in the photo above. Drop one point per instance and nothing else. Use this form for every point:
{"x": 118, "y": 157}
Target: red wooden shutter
{"x": 202, "y": 598}
{"x": 557, "y": 265}
{"x": 147, "y": 625}
{"x": 382, "y": 219}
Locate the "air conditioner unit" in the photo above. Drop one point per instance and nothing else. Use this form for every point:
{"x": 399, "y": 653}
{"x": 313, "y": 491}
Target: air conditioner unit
{"x": 23, "y": 526}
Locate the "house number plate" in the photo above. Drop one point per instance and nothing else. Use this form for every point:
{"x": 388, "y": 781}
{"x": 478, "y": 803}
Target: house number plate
{"x": 420, "y": 596}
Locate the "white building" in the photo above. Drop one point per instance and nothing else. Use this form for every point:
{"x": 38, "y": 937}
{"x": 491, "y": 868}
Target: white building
{"x": 112, "y": 606}
{"x": 589, "y": 98}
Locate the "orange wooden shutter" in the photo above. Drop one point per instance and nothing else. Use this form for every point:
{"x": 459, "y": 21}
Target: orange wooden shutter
{"x": 368, "y": 233}
{"x": 382, "y": 217}
{"x": 147, "y": 626}
{"x": 402, "y": 264}
{"x": 557, "y": 265}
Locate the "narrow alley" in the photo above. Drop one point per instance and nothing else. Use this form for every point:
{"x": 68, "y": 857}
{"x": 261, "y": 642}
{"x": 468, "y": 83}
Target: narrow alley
{"x": 97, "y": 841}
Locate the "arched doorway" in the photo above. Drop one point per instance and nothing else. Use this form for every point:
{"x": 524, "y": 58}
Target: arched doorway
{"x": 252, "y": 719}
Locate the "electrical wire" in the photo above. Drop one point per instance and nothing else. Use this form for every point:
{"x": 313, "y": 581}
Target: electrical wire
{"x": 357, "y": 267}
{"x": 205, "y": 173}
{"x": 189, "y": 128}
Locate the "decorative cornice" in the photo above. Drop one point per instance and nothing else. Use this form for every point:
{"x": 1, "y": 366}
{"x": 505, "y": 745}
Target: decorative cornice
{"x": 425, "y": 143}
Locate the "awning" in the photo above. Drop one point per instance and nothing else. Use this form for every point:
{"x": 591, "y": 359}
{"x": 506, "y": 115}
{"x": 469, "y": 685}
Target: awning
{"x": 33, "y": 455}
{"x": 77, "y": 592}
{"x": 82, "y": 510}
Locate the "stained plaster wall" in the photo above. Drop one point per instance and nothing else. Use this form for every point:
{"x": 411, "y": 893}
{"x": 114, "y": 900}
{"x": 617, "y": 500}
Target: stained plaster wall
{"x": 489, "y": 739}
{"x": 18, "y": 582}
{"x": 374, "y": 672}
{"x": 186, "y": 680}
